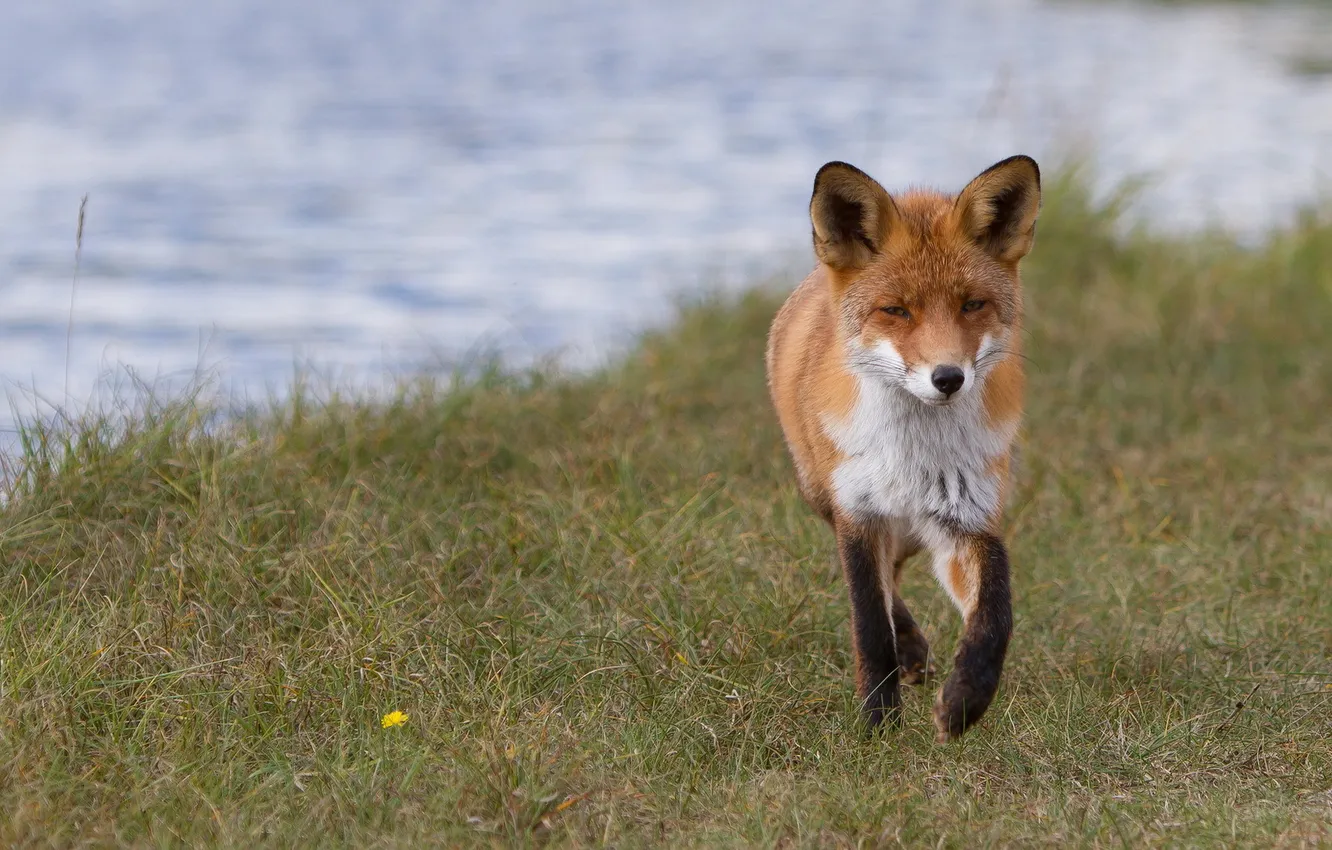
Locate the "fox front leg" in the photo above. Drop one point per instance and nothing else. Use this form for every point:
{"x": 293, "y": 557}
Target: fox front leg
{"x": 877, "y": 674}
{"x": 975, "y": 573}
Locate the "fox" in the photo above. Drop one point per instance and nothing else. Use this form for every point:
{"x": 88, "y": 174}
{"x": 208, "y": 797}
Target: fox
{"x": 896, "y": 372}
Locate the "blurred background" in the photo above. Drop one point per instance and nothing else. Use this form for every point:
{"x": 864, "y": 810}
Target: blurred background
{"x": 366, "y": 187}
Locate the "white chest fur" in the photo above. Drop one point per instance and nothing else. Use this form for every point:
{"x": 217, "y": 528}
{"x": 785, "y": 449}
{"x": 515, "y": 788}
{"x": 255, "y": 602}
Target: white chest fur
{"x": 907, "y": 460}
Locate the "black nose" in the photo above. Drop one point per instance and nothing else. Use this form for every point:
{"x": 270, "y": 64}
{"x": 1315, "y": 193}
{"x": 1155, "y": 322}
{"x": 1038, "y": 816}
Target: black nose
{"x": 947, "y": 379}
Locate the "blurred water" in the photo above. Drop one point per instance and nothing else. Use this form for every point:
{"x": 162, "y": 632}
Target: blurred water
{"x": 359, "y": 183}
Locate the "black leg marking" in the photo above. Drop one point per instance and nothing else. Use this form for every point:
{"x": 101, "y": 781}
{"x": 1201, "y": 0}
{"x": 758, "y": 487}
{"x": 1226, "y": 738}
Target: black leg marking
{"x": 980, "y": 656}
{"x": 913, "y": 650}
{"x": 877, "y": 675}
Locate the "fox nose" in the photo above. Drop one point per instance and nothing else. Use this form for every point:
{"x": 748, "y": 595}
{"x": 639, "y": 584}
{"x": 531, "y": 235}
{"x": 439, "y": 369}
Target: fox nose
{"x": 947, "y": 379}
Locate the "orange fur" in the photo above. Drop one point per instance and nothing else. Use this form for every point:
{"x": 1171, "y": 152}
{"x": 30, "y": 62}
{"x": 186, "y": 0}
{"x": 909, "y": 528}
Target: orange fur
{"x": 896, "y": 374}
{"x": 928, "y": 264}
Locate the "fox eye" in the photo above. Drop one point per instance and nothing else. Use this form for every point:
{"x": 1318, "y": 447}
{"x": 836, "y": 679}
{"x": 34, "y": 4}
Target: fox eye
{"x": 896, "y": 311}
{"x": 973, "y": 305}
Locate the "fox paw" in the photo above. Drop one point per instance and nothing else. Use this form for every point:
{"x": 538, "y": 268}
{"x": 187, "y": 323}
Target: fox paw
{"x": 913, "y": 658}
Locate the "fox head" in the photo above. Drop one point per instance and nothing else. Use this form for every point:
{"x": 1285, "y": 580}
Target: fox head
{"x": 925, "y": 286}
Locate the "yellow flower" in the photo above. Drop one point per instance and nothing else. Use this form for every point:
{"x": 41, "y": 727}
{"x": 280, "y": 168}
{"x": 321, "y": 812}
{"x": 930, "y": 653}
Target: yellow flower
{"x": 393, "y": 718}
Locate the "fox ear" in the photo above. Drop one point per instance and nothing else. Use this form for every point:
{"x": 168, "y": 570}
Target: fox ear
{"x": 998, "y": 209}
{"x": 851, "y": 214}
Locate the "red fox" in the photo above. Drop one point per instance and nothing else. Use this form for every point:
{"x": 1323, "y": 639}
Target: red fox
{"x": 896, "y": 372}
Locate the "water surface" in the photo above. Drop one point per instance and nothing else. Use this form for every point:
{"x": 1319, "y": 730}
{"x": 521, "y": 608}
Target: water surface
{"x": 359, "y": 184}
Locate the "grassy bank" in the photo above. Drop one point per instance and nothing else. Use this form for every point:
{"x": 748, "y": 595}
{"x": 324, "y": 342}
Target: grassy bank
{"x": 609, "y": 618}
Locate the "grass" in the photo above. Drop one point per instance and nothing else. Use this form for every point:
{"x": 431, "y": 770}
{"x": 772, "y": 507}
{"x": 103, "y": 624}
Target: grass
{"x": 1310, "y": 65}
{"x": 611, "y": 621}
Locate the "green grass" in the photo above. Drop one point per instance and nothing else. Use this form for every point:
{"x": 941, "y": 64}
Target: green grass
{"x": 1310, "y": 65}
{"x": 611, "y": 620}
